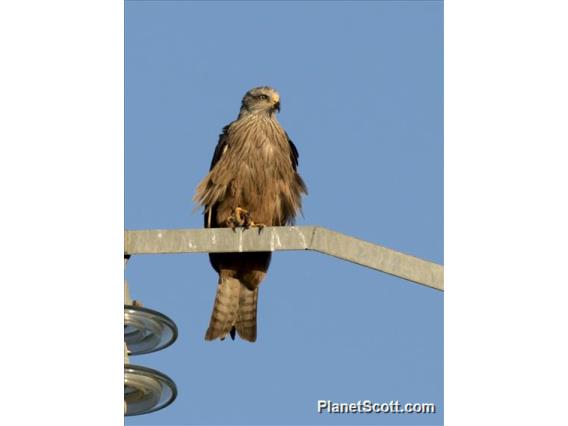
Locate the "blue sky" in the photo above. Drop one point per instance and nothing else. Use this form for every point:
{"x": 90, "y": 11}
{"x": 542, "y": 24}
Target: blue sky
{"x": 362, "y": 97}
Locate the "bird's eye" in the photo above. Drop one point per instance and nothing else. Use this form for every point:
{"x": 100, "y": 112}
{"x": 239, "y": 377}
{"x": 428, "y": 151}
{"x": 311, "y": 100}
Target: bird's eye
{"x": 263, "y": 97}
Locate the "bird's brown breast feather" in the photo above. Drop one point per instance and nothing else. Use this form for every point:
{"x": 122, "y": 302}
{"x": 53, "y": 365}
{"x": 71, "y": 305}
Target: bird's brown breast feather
{"x": 255, "y": 170}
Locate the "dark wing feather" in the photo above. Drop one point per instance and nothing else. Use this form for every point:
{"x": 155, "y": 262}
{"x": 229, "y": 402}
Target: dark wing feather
{"x": 294, "y": 155}
{"x": 221, "y": 145}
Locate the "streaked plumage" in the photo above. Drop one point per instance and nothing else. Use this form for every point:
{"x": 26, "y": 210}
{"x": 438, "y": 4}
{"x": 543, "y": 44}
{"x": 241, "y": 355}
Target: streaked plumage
{"x": 253, "y": 168}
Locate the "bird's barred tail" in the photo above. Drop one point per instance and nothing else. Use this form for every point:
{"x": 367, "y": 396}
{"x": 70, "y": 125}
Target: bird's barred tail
{"x": 246, "y": 319}
{"x": 226, "y": 308}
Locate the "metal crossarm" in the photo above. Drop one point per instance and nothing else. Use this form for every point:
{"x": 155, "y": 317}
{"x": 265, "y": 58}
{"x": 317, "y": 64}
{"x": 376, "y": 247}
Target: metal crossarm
{"x": 224, "y": 240}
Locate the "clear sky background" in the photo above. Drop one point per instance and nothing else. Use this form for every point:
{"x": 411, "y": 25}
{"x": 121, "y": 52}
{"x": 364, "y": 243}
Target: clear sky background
{"x": 362, "y": 98}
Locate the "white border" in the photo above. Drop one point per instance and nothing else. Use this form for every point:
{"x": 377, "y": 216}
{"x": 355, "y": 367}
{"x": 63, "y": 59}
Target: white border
{"x": 505, "y": 210}
{"x": 61, "y": 171}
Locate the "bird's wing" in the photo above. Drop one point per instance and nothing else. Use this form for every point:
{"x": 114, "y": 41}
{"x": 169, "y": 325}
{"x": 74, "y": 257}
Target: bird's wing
{"x": 294, "y": 155}
{"x": 221, "y": 147}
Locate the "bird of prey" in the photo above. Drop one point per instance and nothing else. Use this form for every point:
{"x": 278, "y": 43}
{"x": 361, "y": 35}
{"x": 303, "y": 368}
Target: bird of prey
{"x": 252, "y": 182}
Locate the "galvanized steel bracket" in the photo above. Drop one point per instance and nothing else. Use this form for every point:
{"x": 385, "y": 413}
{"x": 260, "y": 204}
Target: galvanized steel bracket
{"x": 277, "y": 238}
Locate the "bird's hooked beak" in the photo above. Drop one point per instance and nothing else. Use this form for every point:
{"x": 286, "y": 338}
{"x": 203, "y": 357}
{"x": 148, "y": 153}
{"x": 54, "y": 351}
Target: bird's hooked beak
{"x": 276, "y": 102}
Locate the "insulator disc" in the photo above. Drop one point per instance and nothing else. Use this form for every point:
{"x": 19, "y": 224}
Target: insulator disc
{"x": 146, "y": 330}
{"x": 146, "y": 390}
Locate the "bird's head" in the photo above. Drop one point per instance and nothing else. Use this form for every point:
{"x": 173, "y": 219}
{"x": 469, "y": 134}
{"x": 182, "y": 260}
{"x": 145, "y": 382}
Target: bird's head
{"x": 261, "y": 100}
